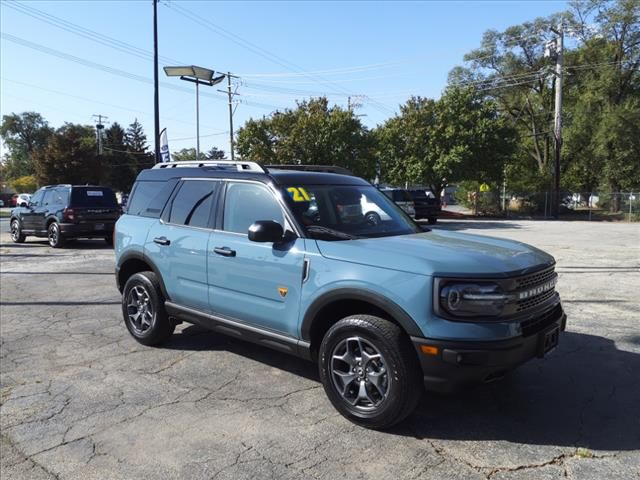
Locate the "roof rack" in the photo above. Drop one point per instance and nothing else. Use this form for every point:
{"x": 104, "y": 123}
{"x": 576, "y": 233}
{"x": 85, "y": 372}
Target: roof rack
{"x": 224, "y": 164}
{"x": 314, "y": 168}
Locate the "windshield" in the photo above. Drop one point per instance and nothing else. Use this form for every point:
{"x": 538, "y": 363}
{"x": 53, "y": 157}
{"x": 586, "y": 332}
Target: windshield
{"x": 342, "y": 212}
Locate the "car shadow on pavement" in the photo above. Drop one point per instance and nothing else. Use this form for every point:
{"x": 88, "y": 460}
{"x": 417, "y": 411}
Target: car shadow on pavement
{"x": 71, "y": 245}
{"x": 585, "y": 394}
{"x": 197, "y": 338}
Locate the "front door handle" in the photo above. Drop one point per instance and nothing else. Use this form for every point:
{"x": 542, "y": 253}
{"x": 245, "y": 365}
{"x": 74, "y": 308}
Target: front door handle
{"x": 225, "y": 251}
{"x": 162, "y": 241}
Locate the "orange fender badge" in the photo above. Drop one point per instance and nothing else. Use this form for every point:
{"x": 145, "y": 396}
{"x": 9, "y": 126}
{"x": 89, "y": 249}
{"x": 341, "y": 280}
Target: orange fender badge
{"x": 283, "y": 291}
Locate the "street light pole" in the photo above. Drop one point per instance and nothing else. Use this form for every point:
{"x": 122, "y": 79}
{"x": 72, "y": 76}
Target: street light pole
{"x": 156, "y": 93}
{"x": 230, "y": 115}
{"x": 197, "y": 121}
{"x": 557, "y": 123}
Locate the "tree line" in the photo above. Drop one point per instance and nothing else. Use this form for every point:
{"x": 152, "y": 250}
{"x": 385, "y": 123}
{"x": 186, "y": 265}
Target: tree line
{"x": 492, "y": 124}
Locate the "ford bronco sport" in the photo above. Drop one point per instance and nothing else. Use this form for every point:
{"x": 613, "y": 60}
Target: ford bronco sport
{"x": 63, "y": 212}
{"x": 289, "y": 260}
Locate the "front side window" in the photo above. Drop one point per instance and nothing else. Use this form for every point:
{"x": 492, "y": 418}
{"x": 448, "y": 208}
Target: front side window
{"x": 246, "y": 203}
{"x": 193, "y": 203}
{"x": 36, "y": 200}
{"x": 48, "y": 198}
{"x": 341, "y": 212}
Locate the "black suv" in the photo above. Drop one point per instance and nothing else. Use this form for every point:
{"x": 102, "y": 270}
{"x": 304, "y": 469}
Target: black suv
{"x": 427, "y": 205}
{"x": 61, "y": 212}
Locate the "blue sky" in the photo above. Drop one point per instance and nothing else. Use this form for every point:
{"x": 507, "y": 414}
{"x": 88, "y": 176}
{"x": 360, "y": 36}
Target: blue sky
{"x": 282, "y": 51}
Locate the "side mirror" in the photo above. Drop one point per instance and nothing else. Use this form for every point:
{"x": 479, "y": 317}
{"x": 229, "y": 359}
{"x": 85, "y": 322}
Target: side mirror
{"x": 266, "y": 231}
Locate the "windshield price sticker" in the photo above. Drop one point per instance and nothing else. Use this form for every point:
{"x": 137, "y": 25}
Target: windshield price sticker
{"x": 94, "y": 193}
{"x": 298, "y": 194}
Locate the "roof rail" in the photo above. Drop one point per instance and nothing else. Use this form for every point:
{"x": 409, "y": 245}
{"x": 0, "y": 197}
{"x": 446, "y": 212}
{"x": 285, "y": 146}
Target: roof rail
{"x": 225, "y": 164}
{"x": 314, "y": 168}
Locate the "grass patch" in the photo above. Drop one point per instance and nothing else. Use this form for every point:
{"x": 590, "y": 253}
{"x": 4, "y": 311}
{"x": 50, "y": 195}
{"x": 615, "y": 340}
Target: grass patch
{"x": 4, "y": 214}
{"x": 583, "y": 453}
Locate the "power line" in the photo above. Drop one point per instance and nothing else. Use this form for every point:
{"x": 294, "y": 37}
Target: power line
{"x": 86, "y": 33}
{"x": 261, "y": 51}
{"x": 115, "y": 71}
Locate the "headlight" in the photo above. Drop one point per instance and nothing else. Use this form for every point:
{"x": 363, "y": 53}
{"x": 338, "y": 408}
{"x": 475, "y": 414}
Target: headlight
{"x": 472, "y": 299}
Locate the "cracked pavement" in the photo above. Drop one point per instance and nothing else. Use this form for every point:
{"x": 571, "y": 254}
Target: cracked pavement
{"x": 79, "y": 398}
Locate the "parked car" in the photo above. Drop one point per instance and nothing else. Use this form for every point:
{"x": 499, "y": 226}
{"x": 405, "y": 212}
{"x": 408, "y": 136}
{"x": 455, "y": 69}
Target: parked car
{"x": 402, "y": 198}
{"x": 289, "y": 260}
{"x": 23, "y": 199}
{"x": 1, "y": 203}
{"x": 61, "y": 212}
{"x": 426, "y": 204}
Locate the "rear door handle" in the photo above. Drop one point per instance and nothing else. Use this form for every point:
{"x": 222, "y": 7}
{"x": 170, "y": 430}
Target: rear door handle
{"x": 225, "y": 251}
{"x": 162, "y": 241}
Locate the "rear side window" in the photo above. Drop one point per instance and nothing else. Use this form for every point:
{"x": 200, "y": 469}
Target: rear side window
{"x": 93, "y": 197}
{"x": 149, "y": 198}
{"x": 193, "y": 203}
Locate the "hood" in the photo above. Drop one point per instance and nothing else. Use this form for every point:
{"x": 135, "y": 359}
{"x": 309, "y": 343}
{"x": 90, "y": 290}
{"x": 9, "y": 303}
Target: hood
{"x": 440, "y": 252}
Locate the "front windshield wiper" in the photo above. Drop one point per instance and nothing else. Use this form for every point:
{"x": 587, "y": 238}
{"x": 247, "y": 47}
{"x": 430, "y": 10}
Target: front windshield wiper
{"x": 320, "y": 230}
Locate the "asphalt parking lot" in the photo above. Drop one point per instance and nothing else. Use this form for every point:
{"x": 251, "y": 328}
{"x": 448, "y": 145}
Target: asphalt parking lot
{"x": 81, "y": 399}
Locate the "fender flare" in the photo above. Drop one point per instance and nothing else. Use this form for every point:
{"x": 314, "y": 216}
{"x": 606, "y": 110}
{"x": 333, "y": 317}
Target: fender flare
{"x": 134, "y": 255}
{"x": 393, "y": 309}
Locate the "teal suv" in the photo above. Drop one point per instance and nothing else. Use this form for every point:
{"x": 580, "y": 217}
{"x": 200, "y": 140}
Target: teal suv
{"x": 295, "y": 261}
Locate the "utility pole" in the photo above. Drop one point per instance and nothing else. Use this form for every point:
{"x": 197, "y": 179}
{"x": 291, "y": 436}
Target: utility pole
{"x": 100, "y": 132}
{"x": 230, "y": 94}
{"x": 557, "y": 122}
{"x": 156, "y": 93}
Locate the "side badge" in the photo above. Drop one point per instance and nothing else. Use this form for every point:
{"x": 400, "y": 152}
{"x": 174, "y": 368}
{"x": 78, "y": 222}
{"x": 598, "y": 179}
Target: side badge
{"x": 283, "y": 291}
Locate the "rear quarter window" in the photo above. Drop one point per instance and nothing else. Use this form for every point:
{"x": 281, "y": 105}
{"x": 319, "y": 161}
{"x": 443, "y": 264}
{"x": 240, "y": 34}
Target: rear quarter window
{"x": 148, "y": 198}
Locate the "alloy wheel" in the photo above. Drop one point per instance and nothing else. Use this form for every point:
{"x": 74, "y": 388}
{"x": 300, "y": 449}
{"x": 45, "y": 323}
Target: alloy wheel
{"x": 140, "y": 314}
{"x": 15, "y": 230}
{"x": 359, "y": 373}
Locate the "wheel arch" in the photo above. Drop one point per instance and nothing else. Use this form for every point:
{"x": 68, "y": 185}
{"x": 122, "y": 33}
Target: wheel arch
{"x": 135, "y": 262}
{"x": 332, "y": 306}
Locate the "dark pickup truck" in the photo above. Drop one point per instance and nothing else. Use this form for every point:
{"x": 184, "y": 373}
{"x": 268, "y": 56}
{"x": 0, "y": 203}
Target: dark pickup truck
{"x": 427, "y": 205}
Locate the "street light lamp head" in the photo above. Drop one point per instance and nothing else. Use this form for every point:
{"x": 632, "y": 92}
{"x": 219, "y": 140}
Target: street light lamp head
{"x": 198, "y": 73}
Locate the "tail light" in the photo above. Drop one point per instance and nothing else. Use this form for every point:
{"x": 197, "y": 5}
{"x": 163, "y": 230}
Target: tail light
{"x": 68, "y": 214}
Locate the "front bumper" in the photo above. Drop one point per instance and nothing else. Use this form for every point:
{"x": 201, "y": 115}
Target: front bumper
{"x": 92, "y": 229}
{"x": 460, "y": 363}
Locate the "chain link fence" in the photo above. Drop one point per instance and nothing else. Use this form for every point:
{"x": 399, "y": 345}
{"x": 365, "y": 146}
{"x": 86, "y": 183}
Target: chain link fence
{"x": 573, "y": 205}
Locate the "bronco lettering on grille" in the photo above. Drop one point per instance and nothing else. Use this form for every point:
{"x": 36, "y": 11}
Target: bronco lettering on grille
{"x": 532, "y": 292}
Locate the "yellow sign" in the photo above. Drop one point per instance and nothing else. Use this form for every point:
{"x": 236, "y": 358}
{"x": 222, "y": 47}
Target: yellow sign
{"x": 298, "y": 194}
{"x": 484, "y": 187}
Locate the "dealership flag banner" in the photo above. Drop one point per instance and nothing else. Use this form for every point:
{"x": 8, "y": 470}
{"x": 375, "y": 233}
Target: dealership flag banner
{"x": 164, "y": 146}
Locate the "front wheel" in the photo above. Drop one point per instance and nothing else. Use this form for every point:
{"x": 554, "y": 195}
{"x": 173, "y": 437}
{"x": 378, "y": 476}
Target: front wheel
{"x": 143, "y": 310}
{"x": 16, "y": 232}
{"x": 56, "y": 239}
{"x": 369, "y": 371}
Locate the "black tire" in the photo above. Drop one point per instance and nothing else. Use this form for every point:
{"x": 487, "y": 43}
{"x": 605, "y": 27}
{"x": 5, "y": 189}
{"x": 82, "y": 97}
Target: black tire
{"x": 54, "y": 235}
{"x": 402, "y": 375}
{"x": 16, "y": 231}
{"x": 159, "y": 328}
{"x": 433, "y": 220}
{"x": 372, "y": 218}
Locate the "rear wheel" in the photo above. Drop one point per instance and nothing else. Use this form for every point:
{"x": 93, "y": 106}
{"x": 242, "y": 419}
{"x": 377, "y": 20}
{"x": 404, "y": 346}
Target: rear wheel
{"x": 369, "y": 371}
{"x": 16, "y": 231}
{"x": 56, "y": 239}
{"x": 143, "y": 310}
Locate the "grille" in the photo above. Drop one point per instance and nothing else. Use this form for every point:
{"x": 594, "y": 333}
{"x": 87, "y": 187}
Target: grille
{"x": 535, "y": 278}
{"x": 535, "y": 301}
{"x": 533, "y": 326}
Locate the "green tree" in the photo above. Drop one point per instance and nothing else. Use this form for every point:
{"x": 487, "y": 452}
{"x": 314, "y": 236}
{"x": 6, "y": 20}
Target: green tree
{"x": 69, "y": 157}
{"x": 27, "y": 183}
{"x": 459, "y": 137}
{"x": 214, "y": 154}
{"x": 122, "y": 164}
{"x": 22, "y": 134}
{"x": 313, "y": 133}
{"x": 136, "y": 142}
